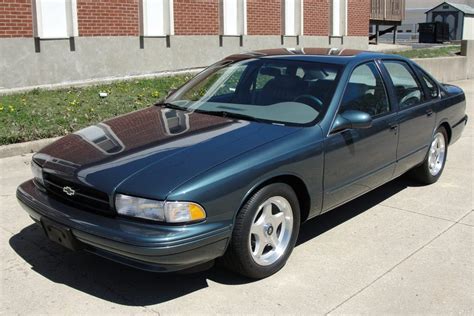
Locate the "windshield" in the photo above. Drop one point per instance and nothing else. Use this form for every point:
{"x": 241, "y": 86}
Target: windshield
{"x": 271, "y": 90}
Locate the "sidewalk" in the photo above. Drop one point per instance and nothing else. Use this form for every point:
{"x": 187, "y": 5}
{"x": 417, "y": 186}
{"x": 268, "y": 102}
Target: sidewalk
{"x": 401, "y": 249}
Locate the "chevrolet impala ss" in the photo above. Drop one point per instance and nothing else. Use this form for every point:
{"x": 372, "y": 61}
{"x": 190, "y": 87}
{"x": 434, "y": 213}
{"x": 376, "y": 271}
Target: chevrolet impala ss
{"x": 233, "y": 162}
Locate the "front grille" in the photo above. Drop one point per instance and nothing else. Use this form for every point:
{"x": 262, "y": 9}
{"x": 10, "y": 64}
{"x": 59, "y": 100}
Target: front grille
{"x": 84, "y": 197}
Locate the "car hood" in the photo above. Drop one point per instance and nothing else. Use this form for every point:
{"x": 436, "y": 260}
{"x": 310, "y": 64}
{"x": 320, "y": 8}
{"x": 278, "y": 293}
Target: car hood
{"x": 152, "y": 151}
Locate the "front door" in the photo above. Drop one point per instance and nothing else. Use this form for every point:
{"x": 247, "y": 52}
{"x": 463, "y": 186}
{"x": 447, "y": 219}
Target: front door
{"x": 358, "y": 160}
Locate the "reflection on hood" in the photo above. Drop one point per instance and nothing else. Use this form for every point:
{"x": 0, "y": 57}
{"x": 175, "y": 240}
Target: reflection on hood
{"x": 135, "y": 131}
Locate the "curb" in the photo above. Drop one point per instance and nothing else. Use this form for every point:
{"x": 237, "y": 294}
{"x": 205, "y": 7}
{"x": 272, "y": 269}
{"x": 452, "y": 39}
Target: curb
{"x": 24, "y": 148}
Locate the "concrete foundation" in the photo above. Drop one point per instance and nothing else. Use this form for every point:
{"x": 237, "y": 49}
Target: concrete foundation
{"x": 445, "y": 69}
{"x": 121, "y": 56}
{"x": 451, "y": 68}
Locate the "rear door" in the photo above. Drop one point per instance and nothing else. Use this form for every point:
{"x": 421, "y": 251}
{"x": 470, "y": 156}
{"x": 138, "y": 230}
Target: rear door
{"x": 415, "y": 117}
{"x": 358, "y": 160}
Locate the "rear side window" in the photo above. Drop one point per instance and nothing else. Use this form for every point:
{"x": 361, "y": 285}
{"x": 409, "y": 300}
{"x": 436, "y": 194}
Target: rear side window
{"x": 430, "y": 84}
{"x": 365, "y": 92}
{"x": 409, "y": 92}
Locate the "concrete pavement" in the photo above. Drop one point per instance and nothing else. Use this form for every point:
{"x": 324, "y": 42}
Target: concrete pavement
{"x": 401, "y": 249}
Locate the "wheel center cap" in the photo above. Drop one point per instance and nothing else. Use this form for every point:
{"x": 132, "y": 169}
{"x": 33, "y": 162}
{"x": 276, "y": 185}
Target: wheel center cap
{"x": 269, "y": 230}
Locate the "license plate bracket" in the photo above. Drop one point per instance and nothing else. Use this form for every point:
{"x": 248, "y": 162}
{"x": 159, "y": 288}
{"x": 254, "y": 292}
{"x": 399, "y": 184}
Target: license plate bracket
{"x": 60, "y": 234}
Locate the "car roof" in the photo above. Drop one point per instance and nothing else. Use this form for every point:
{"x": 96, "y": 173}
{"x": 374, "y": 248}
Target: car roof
{"x": 314, "y": 54}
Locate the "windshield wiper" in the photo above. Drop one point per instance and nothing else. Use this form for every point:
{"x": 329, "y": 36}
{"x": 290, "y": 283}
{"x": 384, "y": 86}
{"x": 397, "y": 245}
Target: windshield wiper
{"x": 171, "y": 106}
{"x": 230, "y": 115}
{"x": 216, "y": 113}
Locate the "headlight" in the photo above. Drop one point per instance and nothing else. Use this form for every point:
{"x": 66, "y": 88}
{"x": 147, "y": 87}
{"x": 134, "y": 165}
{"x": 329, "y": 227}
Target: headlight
{"x": 170, "y": 212}
{"x": 37, "y": 172}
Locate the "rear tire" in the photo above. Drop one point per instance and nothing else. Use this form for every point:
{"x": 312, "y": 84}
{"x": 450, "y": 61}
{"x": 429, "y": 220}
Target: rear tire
{"x": 265, "y": 232}
{"x": 433, "y": 165}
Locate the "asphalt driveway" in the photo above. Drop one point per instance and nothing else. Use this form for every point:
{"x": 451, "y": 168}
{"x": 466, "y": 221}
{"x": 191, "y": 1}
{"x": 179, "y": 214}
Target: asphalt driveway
{"x": 400, "y": 249}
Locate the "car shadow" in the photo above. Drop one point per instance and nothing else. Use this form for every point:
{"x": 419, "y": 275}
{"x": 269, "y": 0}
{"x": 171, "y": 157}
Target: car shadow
{"x": 128, "y": 286}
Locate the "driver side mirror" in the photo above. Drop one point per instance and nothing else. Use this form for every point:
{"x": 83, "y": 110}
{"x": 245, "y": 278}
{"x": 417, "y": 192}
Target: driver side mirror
{"x": 351, "y": 119}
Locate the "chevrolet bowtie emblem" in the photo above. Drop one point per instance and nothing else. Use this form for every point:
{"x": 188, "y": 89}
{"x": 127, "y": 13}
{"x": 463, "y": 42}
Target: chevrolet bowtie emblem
{"x": 69, "y": 191}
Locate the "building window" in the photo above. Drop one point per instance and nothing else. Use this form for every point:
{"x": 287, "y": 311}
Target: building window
{"x": 233, "y": 17}
{"x": 55, "y": 18}
{"x": 339, "y": 18}
{"x": 292, "y": 17}
{"x": 157, "y": 17}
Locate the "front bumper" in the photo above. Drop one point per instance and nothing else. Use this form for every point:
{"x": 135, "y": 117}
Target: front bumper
{"x": 147, "y": 246}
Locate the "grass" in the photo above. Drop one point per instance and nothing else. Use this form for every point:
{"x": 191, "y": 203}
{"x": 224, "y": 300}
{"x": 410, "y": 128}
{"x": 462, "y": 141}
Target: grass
{"x": 47, "y": 113}
{"x": 443, "y": 51}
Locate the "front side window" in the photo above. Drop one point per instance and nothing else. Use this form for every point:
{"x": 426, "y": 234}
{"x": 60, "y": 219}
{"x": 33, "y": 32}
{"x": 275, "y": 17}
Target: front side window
{"x": 269, "y": 90}
{"x": 365, "y": 92}
{"x": 408, "y": 90}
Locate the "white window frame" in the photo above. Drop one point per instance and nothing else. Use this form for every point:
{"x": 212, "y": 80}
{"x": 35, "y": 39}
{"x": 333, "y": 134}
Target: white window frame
{"x": 233, "y": 17}
{"x": 293, "y": 22}
{"x": 150, "y": 14}
{"x": 339, "y": 18}
{"x": 48, "y": 24}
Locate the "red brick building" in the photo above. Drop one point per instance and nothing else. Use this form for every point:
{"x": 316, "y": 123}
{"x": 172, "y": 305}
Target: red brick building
{"x": 73, "y": 40}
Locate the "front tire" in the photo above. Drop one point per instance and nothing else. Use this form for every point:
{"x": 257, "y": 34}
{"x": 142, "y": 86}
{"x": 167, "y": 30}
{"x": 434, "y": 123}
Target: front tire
{"x": 265, "y": 232}
{"x": 433, "y": 165}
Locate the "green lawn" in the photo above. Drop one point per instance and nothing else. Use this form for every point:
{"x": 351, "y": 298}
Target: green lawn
{"x": 444, "y": 51}
{"x": 48, "y": 113}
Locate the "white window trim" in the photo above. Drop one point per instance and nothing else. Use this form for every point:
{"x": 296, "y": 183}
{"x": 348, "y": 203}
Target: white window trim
{"x": 302, "y": 17}
{"x": 168, "y": 29}
{"x": 244, "y": 14}
{"x": 241, "y": 18}
{"x": 339, "y": 18}
{"x": 346, "y": 17}
{"x": 298, "y": 18}
{"x": 171, "y": 17}
{"x": 71, "y": 20}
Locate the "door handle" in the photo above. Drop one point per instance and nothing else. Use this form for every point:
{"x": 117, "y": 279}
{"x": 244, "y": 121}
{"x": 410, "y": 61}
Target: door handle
{"x": 429, "y": 112}
{"x": 393, "y": 126}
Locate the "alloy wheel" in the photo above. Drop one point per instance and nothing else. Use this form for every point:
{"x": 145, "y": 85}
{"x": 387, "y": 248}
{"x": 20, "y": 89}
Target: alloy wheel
{"x": 271, "y": 230}
{"x": 437, "y": 154}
